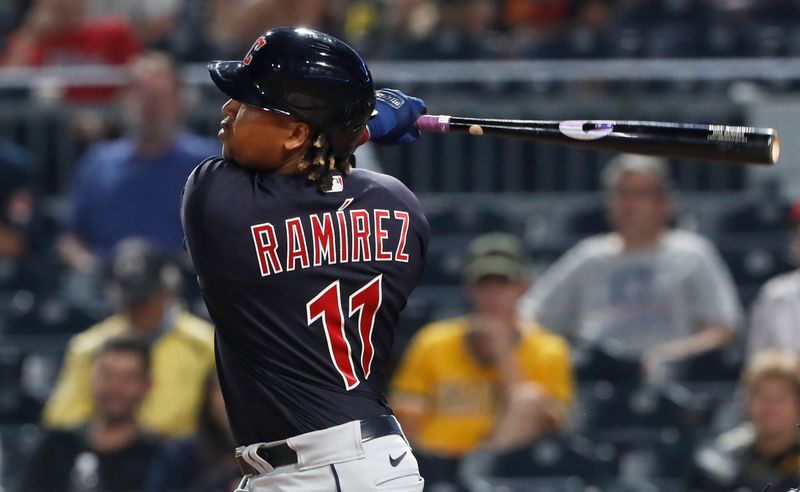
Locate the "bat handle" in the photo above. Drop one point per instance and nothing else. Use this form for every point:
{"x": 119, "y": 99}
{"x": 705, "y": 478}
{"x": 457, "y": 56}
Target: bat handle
{"x": 433, "y": 123}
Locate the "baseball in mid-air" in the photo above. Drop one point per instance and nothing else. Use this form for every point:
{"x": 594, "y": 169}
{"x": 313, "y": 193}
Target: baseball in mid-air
{"x": 475, "y": 130}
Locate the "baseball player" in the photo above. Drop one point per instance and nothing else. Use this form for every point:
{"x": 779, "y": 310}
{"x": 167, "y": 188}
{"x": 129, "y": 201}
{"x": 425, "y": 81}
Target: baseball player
{"x": 305, "y": 263}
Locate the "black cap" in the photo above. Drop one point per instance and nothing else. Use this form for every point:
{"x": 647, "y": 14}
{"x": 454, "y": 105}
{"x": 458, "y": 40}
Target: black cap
{"x": 495, "y": 254}
{"x": 139, "y": 271}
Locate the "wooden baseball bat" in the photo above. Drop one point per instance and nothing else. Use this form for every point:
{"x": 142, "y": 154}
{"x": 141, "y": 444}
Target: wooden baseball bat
{"x": 734, "y": 144}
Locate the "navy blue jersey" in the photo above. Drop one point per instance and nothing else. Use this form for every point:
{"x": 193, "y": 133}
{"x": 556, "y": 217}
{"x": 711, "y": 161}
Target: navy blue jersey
{"x": 304, "y": 288}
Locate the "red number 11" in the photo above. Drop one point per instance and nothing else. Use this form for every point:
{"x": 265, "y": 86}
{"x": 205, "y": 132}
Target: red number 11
{"x": 327, "y": 305}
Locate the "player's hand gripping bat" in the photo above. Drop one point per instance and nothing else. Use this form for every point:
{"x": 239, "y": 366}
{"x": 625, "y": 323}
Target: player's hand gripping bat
{"x": 734, "y": 144}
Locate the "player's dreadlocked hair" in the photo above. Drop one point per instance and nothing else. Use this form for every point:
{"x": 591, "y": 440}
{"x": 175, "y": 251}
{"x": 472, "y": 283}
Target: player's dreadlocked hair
{"x": 319, "y": 161}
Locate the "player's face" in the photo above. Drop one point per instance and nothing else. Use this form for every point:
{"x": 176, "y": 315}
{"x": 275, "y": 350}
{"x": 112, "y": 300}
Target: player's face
{"x": 259, "y": 139}
{"x": 638, "y": 205}
{"x": 119, "y": 384}
{"x": 774, "y": 407}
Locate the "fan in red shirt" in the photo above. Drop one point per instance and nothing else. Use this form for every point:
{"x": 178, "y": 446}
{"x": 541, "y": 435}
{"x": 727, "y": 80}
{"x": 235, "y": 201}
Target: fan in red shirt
{"x": 59, "y": 32}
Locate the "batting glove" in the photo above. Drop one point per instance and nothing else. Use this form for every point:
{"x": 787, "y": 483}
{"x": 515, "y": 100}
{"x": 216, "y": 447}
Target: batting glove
{"x": 397, "y": 113}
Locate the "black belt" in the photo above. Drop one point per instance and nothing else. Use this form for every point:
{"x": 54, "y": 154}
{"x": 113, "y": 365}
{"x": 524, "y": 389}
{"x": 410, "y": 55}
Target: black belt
{"x": 282, "y": 454}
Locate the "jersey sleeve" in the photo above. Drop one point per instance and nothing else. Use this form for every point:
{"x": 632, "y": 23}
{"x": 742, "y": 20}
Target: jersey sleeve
{"x": 193, "y": 199}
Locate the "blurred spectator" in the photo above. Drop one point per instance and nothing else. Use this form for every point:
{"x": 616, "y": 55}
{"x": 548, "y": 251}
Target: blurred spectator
{"x": 454, "y": 30}
{"x": 151, "y": 20}
{"x": 775, "y": 317}
{"x": 59, "y": 32}
{"x": 110, "y": 452}
{"x": 204, "y": 462}
{"x": 765, "y": 450}
{"x": 145, "y": 286}
{"x": 228, "y": 27}
{"x": 487, "y": 380}
{"x": 132, "y": 186}
{"x": 538, "y": 14}
{"x": 653, "y": 293}
{"x": 20, "y": 221}
{"x": 584, "y": 36}
{"x": 11, "y": 14}
{"x": 587, "y": 36}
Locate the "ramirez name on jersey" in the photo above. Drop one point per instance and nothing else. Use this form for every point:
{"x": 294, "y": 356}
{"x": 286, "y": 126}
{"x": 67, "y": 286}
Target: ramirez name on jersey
{"x": 344, "y": 236}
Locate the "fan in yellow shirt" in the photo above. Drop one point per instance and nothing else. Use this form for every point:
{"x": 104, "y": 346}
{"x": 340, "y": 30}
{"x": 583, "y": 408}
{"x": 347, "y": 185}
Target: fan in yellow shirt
{"x": 182, "y": 347}
{"x": 489, "y": 379}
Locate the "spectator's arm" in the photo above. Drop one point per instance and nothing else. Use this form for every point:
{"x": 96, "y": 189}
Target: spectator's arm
{"x": 532, "y": 408}
{"x": 70, "y": 403}
{"x": 411, "y": 387}
{"x": 23, "y": 47}
{"x": 714, "y": 307}
{"x": 75, "y": 254}
{"x": 527, "y": 413}
{"x": 12, "y": 243}
{"x": 709, "y": 337}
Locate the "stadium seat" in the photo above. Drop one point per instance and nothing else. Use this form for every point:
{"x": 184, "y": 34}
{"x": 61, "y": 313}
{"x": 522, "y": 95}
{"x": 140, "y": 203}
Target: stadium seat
{"x": 559, "y": 463}
{"x": 720, "y": 401}
{"x": 437, "y": 469}
{"x": 624, "y": 414}
{"x": 766, "y": 40}
{"x": 674, "y": 40}
{"x": 472, "y": 219}
{"x": 722, "y": 40}
{"x": 445, "y": 260}
{"x": 587, "y": 221}
{"x": 643, "y": 485}
{"x": 49, "y": 316}
{"x": 754, "y": 263}
{"x": 530, "y": 484}
{"x": 16, "y": 445}
{"x": 755, "y": 216}
{"x": 717, "y": 365}
{"x": 16, "y": 406}
{"x": 595, "y": 363}
{"x": 629, "y": 42}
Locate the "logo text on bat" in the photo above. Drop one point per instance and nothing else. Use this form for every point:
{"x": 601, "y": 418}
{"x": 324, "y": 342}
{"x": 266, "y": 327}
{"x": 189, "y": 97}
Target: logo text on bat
{"x": 585, "y": 129}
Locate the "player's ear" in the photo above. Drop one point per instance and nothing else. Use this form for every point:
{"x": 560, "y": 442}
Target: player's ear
{"x": 299, "y": 136}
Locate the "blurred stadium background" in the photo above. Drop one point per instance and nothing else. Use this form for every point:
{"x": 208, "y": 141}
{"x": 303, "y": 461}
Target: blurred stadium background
{"x": 732, "y": 61}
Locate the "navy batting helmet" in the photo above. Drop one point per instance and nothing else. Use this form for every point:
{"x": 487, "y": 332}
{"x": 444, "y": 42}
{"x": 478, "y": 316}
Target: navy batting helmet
{"x": 308, "y": 75}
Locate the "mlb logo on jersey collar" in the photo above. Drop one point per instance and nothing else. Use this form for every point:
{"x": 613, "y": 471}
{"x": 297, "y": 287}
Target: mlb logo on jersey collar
{"x": 337, "y": 185}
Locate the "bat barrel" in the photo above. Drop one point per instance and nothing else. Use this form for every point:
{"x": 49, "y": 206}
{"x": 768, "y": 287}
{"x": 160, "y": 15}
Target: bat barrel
{"x": 715, "y": 142}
